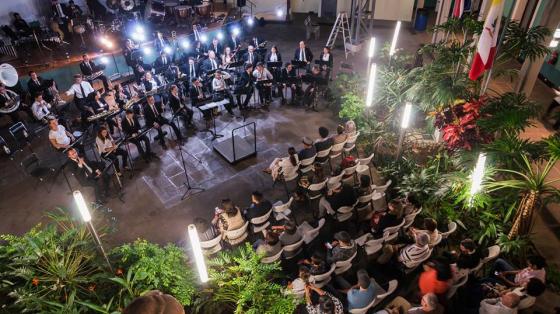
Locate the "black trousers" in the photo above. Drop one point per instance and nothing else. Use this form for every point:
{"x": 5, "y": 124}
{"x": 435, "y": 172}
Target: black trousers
{"x": 186, "y": 114}
{"x": 103, "y": 79}
{"x": 265, "y": 93}
{"x": 225, "y": 94}
{"x": 248, "y": 92}
{"x": 161, "y": 136}
{"x": 137, "y": 141}
{"x": 114, "y": 157}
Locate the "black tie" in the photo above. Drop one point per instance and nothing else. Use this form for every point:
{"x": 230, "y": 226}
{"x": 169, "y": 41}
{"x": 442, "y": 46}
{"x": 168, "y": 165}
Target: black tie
{"x": 154, "y": 110}
{"x": 83, "y": 92}
{"x": 192, "y": 70}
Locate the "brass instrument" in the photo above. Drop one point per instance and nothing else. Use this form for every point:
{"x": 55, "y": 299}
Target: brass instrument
{"x": 130, "y": 102}
{"x": 9, "y": 77}
{"x": 93, "y": 76}
{"x": 13, "y": 104}
{"x": 102, "y": 115}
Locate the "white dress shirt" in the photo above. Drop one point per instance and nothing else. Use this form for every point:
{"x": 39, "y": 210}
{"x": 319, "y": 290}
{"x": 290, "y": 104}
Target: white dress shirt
{"x": 103, "y": 145}
{"x": 264, "y": 75}
{"x": 302, "y": 56}
{"x": 40, "y": 109}
{"x": 326, "y": 57}
{"x": 273, "y": 57}
{"x": 77, "y": 91}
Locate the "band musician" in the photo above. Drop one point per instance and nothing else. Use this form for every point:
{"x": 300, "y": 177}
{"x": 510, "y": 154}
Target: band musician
{"x": 289, "y": 79}
{"x": 179, "y": 108}
{"x": 221, "y": 90}
{"x": 89, "y": 173}
{"x": 303, "y": 53}
{"x": 154, "y": 118}
{"x": 198, "y": 98}
{"x": 108, "y": 149}
{"x": 261, "y": 74}
{"x": 244, "y": 86}
{"x": 89, "y": 68}
{"x": 132, "y": 130}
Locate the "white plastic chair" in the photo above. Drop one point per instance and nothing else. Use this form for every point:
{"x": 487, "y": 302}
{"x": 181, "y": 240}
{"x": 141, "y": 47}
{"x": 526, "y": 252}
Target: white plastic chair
{"x": 343, "y": 266}
{"x": 282, "y": 210}
{"x": 453, "y": 289}
{"x": 272, "y": 259}
{"x": 306, "y": 165}
{"x": 336, "y": 151}
{"x": 310, "y": 234}
{"x": 344, "y": 213}
{"x": 211, "y": 246}
{"x": 366, "y": 198}
{"x": 292, "y": 248}
{"x": 362, "y": 169}
{"x": 351, "y": 143}
{"x": 383, "y": 188}
{"x": 393, "y": 284}
{"x": 379, "y": 202}
{"x": 409, "y": 220}
{"x": 323, "y": 155}
{"x": 391, "y": 233}
{"x": 238, "y": 235}
{"x": 451, "y": 227}
{"x": 493, "y": 252}
{"x": 322, "y": 279}
{"x": 350, "y": 173}
{"x": 361, "y": 240}
{"x": 315, "y": 189}
{"x": 366, "y": 161}
{"x": 374, "y": 245}
{"x": 366, "y": 208}
{"x": 260, "y": 223}
{"x": 335, "y": 179}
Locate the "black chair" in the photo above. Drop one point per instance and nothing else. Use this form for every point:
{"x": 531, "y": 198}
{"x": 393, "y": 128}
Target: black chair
{"x": 32, "y": 167}
{"x": 21, "y": 135}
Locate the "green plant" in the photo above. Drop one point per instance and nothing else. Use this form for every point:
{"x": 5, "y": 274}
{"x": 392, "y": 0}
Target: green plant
{"x": 242, "y": 284}
{"x": 150, "y": 266}
{"x": 508, "y": 113}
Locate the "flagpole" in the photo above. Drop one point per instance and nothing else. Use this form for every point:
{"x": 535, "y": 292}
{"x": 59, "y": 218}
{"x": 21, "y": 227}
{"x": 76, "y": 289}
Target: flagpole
{"x": 500, "y": 40}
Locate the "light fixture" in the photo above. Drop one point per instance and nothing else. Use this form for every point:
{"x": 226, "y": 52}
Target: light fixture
{"x": 279, "y": 13}
{"x": 553, "y": 43}
{"x": 109, "y": 44}
{"x": 82, "y": 206}
{"x": 138, "y": 36}
{"x": 104, "y": 60}
{"x": 147, "y": 50}
{"x": 478, "y": 175}
{"x": 250, "y": 21}
{"x": 167, "y": 50}
{"x": 185, "y": 44}
{"x": 203, "y": 38}
{"x": 139, "y": 29}
{"x": 371, "y": 83}
{"x": 236, "y": 31}
{"x": 197, "y": 251}
{"x": 406, "y": 115}
{"x": 371, "y": 50}
{"x": 395, "y": 37}
{"x": 220, "y": 35}
{"x": 556, "y": 33}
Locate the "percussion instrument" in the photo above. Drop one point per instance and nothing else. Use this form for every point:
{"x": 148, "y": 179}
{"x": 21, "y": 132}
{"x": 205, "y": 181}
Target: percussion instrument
{"x": 93, "y": 76}
{"x": 169, "y": 7}
{"x": 203, "y": 9}
{"x": 155, "y": 11}
{"x": 127, "y": 5}
{"x": 11, "y": 105}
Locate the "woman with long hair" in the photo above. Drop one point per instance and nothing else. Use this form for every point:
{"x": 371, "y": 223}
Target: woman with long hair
{"x": 288, "y": 164}
{"x": 108, "y": 150}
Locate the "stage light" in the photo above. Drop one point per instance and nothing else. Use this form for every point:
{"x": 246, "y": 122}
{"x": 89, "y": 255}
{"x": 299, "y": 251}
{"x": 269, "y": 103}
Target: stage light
{"x": 82, "y": 206}
{"x": 553, "y": 43}
{"x": 197, "y": 251}
{"x": 279, "y": 13}
{"x": 147, "y": 50}
{"x": 371, "y": 83}
{"x": 250, "y": 21}
{"x": 104, "y": 60}
{"x": 478, "y": 174}
{"x": 185, "y": 44}
{"x": 168, "y": 50}
{"x": 220, "y": 36}
{"x": 139, "y": 29}
{"x": 109, "y": 44}
{"x": 138, "y": 37}
{"x": 236, "y": 31}
{"x": 406, "y": 115}
{"x": 395, "y": 37}
{"x": 371, "y": 51}
{"x": 203, "y": 38}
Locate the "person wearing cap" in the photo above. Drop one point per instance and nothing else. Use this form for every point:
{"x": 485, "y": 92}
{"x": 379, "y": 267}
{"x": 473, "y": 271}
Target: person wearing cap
{"x": 308, "y": 150}
{"x": 412, "y": 255}
{"x": 342, "y": 248}
{"x": 362, "y": 293}
{"x": 506, "y": 304}
{"x": 338, "y": 195}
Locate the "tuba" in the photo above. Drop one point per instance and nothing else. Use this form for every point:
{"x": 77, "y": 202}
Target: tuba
{"x": 9, "y": 77}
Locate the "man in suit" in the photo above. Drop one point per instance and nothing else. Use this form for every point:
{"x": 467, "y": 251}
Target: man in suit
{"x": 154, "y": 118}
{"x": 216, "y": 46}
{"x": 303, "y": 53}
{"x": 131, "y": 128}
{"x": 191, "y": 70}
{"x": 159, "y": 43}
{"x": 212, "y": 63}
{"x": 36, "y": 84}
{"x": 88, "y": 67}
{"x": 198, "y": 98}
{"x": 60, "y": 15}
{"x": 89, "y": 173}
{"x": 251, "y": 57}
{"x": 178, "y": 107}
{"x": 288, "y": 77}
{"x": 244, "y": 86}
{"x": 162, "y": 62}
{"x": 234, "y": 40}
{"x": 151, "y": 83}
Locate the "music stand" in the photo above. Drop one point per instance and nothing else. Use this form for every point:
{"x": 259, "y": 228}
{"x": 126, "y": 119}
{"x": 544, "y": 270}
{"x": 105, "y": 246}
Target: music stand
{"x": 18, "y": 131}
{"x": 274, "y": 64}
{"x": 236, "y": 64}
{"x": 191, "y": 190}
{"x": 299, "y": 65}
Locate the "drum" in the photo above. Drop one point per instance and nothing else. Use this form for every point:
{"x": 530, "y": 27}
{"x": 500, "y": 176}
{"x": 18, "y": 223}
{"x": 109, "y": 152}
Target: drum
{"x": 182, "y": 14}
{"x": 155, "y": 11}
{"x": 203, "y": 9}
{"x": 170, "y": 6}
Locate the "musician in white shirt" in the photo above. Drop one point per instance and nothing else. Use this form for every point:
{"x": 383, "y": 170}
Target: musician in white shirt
{"x": 221, "y": 91}
{"x": 262, "y": 74}
{"x": 108, "y": 149}
{"x": 59, "y": 137}
{"x": 41, "y": 109}
{"x": 80, "y": 90}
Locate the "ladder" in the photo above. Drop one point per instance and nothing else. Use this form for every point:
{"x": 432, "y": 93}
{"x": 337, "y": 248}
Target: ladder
{"x": 340, "y": 25}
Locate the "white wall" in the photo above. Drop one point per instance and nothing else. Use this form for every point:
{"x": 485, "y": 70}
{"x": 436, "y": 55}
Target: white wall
{"x": 30, "y": 10}
{"x": 304, "y": 6}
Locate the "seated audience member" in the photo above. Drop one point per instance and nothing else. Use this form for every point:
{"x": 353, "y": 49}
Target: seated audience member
{"x": 508, "y": 275}
{"x": 297, "y": 286}
{"x": 41, "y": 109}
{"x": 350, "y": 128}
{"x": 301, "y": 203}
{"x": 206, "y": 231}
{"x": 340, "y": 135}
{"x": 316, "y": 264}
{"x": 364, "y": 188}
{"x": 506, "y": 304}
{"x": 338, "y": 195}
{"x": 270, "y": 246}
{"x": 361, "y": 294}
{"x": 259, "y": 206}
{"x": 286, "y": 165}
{"x": 430, "y": 228}
{"x": 154, "y": 302}
{"x": 229, "y": 217}
{"x": 412, "y": 255}
{"x": 435, "y": 278}
{"x": 324, "y": 142}
{"x": 429, "y": 304}
{"x": 391, "y": 218}
{"x": 528, "y": 294}
{"x": 328, "y": 304}
{"x": 290, "y": 235}
{"x": 308, "y": 150}
{"x": 342, "y": 248}
{"x": 469, "y": 256}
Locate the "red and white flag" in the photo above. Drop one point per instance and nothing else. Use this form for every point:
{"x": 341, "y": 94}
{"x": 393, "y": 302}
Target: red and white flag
{"x": 458, "y": 8}
{"x": 487, "y": 42}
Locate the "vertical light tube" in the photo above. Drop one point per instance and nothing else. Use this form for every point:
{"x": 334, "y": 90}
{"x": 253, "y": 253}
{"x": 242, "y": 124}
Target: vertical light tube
{"x": 406, "y": 115}
{"x": 371, "y": 51}
{"x": 395, "y": 37}
{"x": 82, "y": 206}
{"x": 478, "y": 174}
{"x": 371, "y": 84}
{"x": 197, "y": 251}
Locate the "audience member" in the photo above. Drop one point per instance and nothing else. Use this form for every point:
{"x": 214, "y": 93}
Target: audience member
{"x": 316, "y": 264}
{"x": 342, "y": 248}
{"x": 469, "y": 255}
{"x": 391, "y": 218}
{"x": 429, "y": 304}
{"x": 340, "y": 135}
{"x": 270, "y": 246}
{"x": 287, "y": 165}
{"x": 259, "y": 206}
{"x": 508, "y": 275}
{"x": 229, "y": 217}
{"x": 206, "y": 231}
{"x": 308, "y": 150}
{"x": 506, "y": 304}
{"x": 154, "y": 302}
{"x": 528, "y": 294}
{"x": 297, "y": 286}
{"x": 338, "y": 195}
{"x": 290, "y": 235}
{"x": 323, "y": 143}
{"x": 328, "y": 304}
{"x": 410, "y": 255}
{"x": 435, "y": 278}
{"x": 350, "y": 128}
{"x": 361, "y": 294}
{"x": 430, "y": 228}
